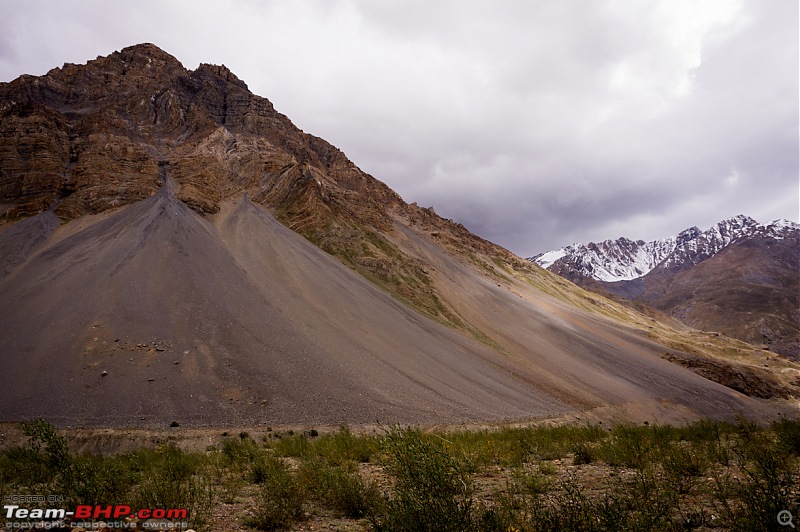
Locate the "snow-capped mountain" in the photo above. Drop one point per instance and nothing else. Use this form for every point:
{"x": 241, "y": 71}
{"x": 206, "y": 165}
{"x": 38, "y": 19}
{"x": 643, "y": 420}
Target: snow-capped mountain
{"x": 610, "y": 260}
{"x": 624, "y": 259}
{"x": 739, "y": 278}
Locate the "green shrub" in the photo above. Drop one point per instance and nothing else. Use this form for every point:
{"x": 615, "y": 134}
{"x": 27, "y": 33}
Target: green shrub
{"x": 240, "y": 454}
{"x": 432, "y": 489}
{"x": 174, "y": 479}
{"x": 24, "y": 467}
{"x": 531, "y": 481}
{"x": 345, "y": 445}
{"x": 704, "y": 431}
{"x": 339, "y": 489}
{"x": 509, "y": 504}
{"x": 628, "y": 447}
{"x": 98, "y": 480}
{"x": 293, "y": 447}
{"x": 683, "y": 464}
{"x": 635, "y": 505}
{"x": 512, "y": 447}
{"x": 44, "y": 459}
{"x": 787, "y": 432}
{"x": 263, "y": 466}
{"x": 657, "y": 480}
{"x": 583, "y": 454}
{"x": 340, "y": 447}
{"x": 281, "y": 497}
{"x": 43, "y": 439}
{"x": 229, "y": 477}
{"x": 768, "y": 484}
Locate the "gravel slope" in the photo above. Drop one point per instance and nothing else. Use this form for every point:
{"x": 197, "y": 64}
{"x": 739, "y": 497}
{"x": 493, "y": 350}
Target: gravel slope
{"x": 153, "y": 314}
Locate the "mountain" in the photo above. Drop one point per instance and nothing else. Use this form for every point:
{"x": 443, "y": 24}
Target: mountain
{"x": 175, "y": 249}
{"x": 739, "y": 277}
{"x": 624, "y": 259}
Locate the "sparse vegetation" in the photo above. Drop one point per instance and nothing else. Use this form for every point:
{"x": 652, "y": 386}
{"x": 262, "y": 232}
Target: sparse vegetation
{"x": 280, "y": 500}
{"x": 432, "y": 485}
{"x": 706, "y": 475}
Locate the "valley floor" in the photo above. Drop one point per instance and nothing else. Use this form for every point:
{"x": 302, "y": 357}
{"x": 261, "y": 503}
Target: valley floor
{"x": 578, "y": 476}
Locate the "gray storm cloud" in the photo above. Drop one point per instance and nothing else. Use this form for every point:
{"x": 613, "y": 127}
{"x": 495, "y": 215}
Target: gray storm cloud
{"x": 536, "y": 124}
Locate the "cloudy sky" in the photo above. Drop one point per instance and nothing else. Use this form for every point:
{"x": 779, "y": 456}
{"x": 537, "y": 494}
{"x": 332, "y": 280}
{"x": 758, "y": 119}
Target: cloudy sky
{"x": 536, "y": 123}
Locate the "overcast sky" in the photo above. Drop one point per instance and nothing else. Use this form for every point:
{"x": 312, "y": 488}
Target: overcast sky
{"x": 535, "y": 123}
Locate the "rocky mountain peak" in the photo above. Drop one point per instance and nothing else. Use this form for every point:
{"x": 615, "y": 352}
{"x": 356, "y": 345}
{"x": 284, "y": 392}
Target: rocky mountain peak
{"x": 741, "y": 220}
{"x": 221, "y": 72}
{"x": 735, "y": 226}
{"x": 146, "y": 53}
{"x": 623, "y": 259}
{"x": 141, "y": 65}
{"x": 688, "y": 235}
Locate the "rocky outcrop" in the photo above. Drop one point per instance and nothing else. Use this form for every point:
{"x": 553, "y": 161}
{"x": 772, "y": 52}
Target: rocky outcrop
{"x": 744, "y": 379}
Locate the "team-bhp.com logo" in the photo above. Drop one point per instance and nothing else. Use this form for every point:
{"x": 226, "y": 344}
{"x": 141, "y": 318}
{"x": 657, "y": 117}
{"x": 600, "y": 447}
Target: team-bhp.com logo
{"x": 86, "y": 516}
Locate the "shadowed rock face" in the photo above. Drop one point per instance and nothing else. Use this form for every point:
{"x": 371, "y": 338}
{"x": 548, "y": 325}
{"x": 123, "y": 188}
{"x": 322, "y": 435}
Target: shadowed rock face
{"x": 183, "y": 252}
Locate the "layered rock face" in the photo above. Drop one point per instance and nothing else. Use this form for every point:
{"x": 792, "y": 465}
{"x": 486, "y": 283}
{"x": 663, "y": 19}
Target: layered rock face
{"x": 90, "y": 137}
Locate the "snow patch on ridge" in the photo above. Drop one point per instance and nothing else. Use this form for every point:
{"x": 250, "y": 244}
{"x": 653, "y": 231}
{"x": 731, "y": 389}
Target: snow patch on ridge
{"x": 546, "y": 259}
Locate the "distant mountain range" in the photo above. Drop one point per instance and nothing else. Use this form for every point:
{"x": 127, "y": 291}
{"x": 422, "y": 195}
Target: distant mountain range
{"x": 739, "y": 277}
